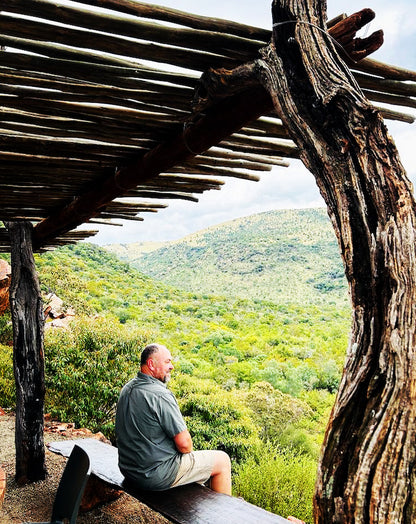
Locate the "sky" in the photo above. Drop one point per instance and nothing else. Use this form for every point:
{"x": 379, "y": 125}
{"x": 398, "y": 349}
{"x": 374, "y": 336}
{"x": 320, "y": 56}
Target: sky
{"x": 281, "y": 188}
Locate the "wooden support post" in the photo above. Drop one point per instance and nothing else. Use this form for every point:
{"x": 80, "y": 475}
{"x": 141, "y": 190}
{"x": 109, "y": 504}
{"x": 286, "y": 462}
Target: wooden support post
{"x": 367, "y": 467}
{"x": 28, "y": 361}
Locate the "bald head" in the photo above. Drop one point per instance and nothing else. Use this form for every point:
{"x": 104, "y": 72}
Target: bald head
{"x": 156, "y": 361}
{"x": 148, "y": 351}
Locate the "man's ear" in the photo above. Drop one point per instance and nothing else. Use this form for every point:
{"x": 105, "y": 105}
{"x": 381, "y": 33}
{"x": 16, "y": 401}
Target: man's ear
{"x": 151, "y": 364}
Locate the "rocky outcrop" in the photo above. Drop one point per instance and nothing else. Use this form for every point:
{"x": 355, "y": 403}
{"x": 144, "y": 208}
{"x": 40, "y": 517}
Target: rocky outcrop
{"x": 55, "y": 314}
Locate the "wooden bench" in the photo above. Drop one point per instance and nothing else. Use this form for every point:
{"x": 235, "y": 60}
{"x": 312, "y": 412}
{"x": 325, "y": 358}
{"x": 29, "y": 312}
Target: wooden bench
{"x": 190, "y": 504}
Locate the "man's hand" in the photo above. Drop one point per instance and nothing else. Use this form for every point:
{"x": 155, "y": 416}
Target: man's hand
{"x": 183, "y": 442}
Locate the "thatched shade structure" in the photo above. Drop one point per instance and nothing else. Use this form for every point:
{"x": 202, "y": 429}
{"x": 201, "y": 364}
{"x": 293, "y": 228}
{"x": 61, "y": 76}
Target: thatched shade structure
{"x": 98, "y": 103}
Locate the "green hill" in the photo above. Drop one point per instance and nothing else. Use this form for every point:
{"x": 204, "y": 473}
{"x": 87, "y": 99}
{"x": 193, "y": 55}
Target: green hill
{"x": 281, "y": 256}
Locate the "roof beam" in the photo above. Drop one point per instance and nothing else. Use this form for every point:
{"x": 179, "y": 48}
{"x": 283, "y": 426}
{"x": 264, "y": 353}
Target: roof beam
{"x": 219, "y": 122}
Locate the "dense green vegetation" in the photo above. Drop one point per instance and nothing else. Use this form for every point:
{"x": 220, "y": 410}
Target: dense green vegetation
{"x": 253, "y": 377}
{"x": 284, "y": 255}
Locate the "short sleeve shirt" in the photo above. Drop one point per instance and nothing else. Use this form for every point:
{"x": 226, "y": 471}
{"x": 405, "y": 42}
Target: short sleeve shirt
{"x": 147, "y": 419}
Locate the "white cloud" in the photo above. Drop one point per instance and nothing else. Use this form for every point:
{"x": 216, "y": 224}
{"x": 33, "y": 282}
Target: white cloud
{"x": 282, "y": 188}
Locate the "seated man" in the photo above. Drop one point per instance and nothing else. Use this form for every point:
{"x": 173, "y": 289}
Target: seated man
{"x": 154, "y": 446}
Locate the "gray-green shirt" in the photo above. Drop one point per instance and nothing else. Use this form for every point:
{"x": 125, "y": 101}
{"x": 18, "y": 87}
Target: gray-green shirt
{"x": 147, "y": 419}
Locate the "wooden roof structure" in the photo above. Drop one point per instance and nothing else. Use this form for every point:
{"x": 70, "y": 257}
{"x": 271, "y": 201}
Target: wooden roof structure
{"x": 99, "y": 119}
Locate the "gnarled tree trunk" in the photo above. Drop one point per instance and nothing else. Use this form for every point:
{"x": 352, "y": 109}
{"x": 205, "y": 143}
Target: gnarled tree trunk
{"x": 367, "y": 467}
{"x": 28, "y": 362}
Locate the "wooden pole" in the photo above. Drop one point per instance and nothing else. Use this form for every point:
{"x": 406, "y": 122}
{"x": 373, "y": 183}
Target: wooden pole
{"x": 28, "y": 361}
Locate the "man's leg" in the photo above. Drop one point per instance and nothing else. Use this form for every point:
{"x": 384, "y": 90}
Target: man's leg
{"x": 205, "y": 466}
{"x": 221, "y": 473}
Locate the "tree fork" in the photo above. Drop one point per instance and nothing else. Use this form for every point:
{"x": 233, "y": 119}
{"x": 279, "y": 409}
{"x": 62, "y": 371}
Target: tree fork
{"x": 28, "y": 360}
{"x": 367, "y": 465}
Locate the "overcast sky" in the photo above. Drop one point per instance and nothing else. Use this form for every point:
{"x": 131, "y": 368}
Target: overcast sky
{"x": 282, "y": 188}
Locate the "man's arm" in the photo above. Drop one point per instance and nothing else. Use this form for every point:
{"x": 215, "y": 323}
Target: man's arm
{"x": 183, "y": 442}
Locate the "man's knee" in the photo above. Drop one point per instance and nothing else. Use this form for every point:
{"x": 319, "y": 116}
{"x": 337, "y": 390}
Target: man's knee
{"x": 221, "y": 474}
{"x": 222, "y": 462}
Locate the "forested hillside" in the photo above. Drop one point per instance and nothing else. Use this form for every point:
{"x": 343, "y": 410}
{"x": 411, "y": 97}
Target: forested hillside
{"x": 253, "y": 377}
{"x": 294, "y": 346}
{"x": 285, "y": 255}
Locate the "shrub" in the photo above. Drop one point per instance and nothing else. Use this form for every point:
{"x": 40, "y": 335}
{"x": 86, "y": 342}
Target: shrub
{"x": 273, "y": 410}
{"x": 289, "y": 378}
{"x": 6, "y": 329}
{"x": 7, "y": 386}
{"x": 243, "y": 372}
{"x": 186, "y": 367}
{"x": 284, "y": 420}
{"x": 300, "y": 440}
{"x": 329, "y": 376}
{"x": 65, "y": 284}
{"x": 86, "y": 368}
{"x": 216, "y": 419}
{"x": 281, "y": 481}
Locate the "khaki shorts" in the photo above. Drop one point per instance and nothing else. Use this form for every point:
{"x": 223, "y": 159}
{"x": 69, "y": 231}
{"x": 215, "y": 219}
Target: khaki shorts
{"x": 196, "y": 466}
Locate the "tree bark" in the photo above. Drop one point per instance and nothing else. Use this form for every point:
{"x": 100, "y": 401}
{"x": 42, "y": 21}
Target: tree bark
{"x": 28, "y": 359}
{"x": 367, "y": 466}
